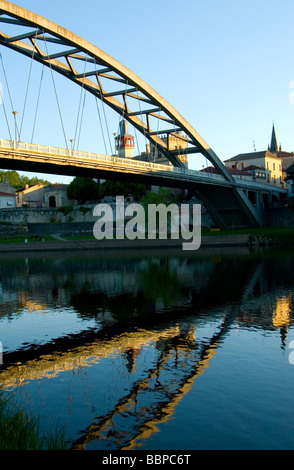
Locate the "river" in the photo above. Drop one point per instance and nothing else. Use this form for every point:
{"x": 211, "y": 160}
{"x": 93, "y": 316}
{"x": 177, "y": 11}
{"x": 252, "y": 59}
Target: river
{"x": 153, "y": 350}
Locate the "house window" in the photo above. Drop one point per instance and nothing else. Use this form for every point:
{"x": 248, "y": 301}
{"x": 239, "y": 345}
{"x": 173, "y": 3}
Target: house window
{"x": 274, "y": 166}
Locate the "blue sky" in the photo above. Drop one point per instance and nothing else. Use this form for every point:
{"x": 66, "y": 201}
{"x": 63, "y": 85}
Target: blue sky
{"x": 226, "y": 66}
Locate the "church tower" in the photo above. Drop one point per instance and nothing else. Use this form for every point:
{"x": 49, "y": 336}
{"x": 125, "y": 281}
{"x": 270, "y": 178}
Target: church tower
{"x": 274, "y": 147}
{"x": 124, "y": 142}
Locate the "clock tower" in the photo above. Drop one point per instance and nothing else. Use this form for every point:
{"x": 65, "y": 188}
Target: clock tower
{"x": 124, "y": 142}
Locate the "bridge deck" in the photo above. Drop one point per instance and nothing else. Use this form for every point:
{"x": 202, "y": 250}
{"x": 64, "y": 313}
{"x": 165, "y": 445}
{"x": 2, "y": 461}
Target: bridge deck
{"x": 34, "y": 153}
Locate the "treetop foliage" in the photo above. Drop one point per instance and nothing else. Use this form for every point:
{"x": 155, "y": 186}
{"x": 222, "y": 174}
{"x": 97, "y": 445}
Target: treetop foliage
{"x": 18, "y": 181}
{"x": 86, "y": 189}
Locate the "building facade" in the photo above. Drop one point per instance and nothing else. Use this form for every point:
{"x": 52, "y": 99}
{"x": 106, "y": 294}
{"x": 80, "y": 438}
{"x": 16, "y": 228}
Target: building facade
{"x": 124, "y": 142}
{"x": 51, "y": 196}
{"x": 268, "y": 166}
{"x": 7, "y": 196}
{"x": 264, "y": 166}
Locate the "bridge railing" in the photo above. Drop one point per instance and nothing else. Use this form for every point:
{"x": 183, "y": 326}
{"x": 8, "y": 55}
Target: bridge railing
{"x": 126, "y": 162}
{"x": 113, "y": 159}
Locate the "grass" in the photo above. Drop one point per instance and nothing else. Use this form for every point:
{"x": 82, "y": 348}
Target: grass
{"x": 274, "y": 233}
{"x": 21, "y": 239}
{"x": 271, "y": 233}
{"x": 19, "y": 430}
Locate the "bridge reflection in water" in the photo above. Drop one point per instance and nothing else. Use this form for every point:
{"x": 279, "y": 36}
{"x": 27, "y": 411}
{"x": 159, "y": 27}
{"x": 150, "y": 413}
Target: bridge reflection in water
{"x": 156, "y": 321}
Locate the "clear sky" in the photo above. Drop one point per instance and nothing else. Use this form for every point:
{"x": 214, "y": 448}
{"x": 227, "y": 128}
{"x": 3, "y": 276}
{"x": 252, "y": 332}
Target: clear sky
{"x": 227, "y": 66}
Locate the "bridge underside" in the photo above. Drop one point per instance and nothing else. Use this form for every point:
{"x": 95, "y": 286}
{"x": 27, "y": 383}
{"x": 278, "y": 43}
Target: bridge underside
{"x": 226, "y": 204}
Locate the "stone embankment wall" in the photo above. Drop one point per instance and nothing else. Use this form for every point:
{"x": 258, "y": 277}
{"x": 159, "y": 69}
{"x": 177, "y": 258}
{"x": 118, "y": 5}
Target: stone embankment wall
{"x": 282, "y": 217}
{"x": 42, "y": 215}
{"x": 11, "y": 231}
{"x": 72, "y": 229}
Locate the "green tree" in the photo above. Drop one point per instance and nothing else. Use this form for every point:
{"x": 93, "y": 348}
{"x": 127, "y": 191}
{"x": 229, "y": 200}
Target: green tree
{"x": 117, "y": 188}
{"x": 163, "y": 196}
{"x": 84, "y": 210}
{"x": 65, "y": 210}
{"x": 19, "y": 182}
{"x": 83, "y": 190}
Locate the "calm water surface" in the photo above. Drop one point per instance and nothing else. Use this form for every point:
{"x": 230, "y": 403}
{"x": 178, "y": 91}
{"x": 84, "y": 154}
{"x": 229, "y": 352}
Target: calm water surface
{"x": 153, "y": 351}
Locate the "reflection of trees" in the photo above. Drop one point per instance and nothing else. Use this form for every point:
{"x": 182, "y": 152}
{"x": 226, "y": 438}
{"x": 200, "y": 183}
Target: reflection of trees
{"x": 143, "y": 292}
{"x": 122, "y": 307}
{"x": 160, "y": 281}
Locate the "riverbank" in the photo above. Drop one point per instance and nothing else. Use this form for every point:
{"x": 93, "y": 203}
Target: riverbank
{"x": 19, "y": 430}
{"x": 73, "y": 245}
{"x": 269, "y": 236}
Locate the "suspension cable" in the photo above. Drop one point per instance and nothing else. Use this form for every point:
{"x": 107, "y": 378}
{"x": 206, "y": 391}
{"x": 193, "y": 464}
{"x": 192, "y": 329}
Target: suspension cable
{"x": 37, "y": 105}
{"x": 146, "y": 141}
{"x": 81, "y": 121}
{"x": 56, "y": 95}
{"x": 156, "y": 144}
{"x": 27, "y": 90}
{"x": 5, "y": 113}
{"x": 10, "y": 97}
{"x": 80, "y": 103}
{"x": 103, "y": 109}
{"x": 99, "y": 115}
{"x": 137, "y": 141}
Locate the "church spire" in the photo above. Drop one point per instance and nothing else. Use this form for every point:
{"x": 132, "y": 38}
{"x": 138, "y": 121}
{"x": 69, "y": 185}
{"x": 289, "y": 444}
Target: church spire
{"x": 274, "y": 147}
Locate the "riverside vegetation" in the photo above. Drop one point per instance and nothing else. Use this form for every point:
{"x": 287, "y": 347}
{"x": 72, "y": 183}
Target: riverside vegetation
{"x": 20, "y": 430}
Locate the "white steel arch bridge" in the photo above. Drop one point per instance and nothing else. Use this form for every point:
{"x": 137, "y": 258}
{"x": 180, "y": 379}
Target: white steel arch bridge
{"x": 134, "y": 100}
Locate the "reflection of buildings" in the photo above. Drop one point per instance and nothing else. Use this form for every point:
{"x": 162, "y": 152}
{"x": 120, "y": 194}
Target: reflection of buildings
{"x": 282, "y": 312}
{"x": 101, "y": 285}
{"x": 282, "y": 315}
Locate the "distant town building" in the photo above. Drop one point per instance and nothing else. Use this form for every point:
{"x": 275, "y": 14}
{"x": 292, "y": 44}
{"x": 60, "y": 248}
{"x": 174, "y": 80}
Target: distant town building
{"x": 175, "y": 141}
{"x": 51, "y": 195}
{"x": 124, "y": 142}
{"x": 56, "y": 196}
{"x": 267, "y": 165}
{"x": 30, "y": 196}
{"x": 290, "y": 180}
{"x": 7, "y": 196}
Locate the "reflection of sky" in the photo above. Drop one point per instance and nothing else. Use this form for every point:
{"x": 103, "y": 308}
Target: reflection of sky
{"x": 27, "y": 328}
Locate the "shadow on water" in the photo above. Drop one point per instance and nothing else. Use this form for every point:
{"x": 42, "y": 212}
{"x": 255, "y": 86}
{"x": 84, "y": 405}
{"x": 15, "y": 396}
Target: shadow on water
{"x": 122, "y": 303}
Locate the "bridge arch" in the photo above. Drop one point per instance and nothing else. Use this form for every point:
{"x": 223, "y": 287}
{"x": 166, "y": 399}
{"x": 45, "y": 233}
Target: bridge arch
{"x": 128, "y": 95}
{"x": 153, "y": 109}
